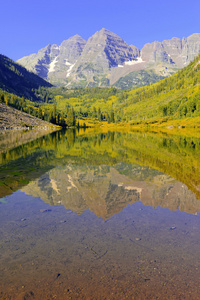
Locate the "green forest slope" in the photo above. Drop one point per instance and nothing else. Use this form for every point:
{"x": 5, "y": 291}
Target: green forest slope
{"x": 17, "y": 80}
{"x": 177, "y": 96}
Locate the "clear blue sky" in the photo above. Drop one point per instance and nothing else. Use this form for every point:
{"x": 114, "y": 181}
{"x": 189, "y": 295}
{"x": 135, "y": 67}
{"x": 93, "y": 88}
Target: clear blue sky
{"x": 29, "y": 25}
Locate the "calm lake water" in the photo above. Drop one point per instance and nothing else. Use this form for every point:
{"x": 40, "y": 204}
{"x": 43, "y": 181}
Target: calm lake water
{"x": 88, "y": 215}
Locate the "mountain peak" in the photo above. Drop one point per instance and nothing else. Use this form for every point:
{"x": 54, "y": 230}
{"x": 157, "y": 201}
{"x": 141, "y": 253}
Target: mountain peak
{"x": 106, "y": 32}
{"x": 76, "y": 37}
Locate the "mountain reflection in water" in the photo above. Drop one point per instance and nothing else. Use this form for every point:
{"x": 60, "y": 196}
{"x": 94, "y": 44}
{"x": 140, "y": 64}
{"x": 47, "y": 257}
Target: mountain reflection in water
{"x": 106, "y": 171}
{"x": 105, "y": 190}
{"x": 87, "y": 215}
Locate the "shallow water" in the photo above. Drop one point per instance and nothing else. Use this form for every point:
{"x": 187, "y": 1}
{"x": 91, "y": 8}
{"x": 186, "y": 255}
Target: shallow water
{"x": 96, "y": 217}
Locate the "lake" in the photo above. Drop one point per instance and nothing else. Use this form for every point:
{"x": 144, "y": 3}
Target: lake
{"x": 99, "y": 215}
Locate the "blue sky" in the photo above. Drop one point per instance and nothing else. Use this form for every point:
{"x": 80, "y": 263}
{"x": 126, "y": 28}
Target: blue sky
{"x": 27, "y": 26}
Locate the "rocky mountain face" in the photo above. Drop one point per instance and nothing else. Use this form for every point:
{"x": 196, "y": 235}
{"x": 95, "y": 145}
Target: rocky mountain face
{"x": 102, "y": 52}
{"x": 54, "y": 62}
{"x": 175, "y": 51}
{"x": 105, "y": 58}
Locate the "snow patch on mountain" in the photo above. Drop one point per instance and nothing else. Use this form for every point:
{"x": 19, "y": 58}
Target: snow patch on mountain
{"x": 134, "y": 62}
{"x": 69, "y": 70}
{"x": 67, "y": 63}
{"x": 56, "y": 47}
{"x": 52, "y": 65}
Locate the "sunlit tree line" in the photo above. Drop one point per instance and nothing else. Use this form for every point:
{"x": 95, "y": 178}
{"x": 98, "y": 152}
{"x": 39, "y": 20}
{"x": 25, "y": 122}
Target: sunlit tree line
{"x": 49, "y": 114}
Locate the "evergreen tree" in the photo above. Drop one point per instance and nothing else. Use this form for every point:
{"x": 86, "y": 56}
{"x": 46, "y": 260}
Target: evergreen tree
{"x": 112, "y": 117}
{"x": 108, "y": 118}
{"x": 94, "y": 112}
{"x": 62, "y": 121}
{"x": 71, "y": 121}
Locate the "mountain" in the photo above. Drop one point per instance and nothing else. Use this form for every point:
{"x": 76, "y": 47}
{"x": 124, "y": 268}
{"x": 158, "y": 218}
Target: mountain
{"x": 102, "y": 52}
{"x": 17, "y": 80}
{"x": 105, "y": 60}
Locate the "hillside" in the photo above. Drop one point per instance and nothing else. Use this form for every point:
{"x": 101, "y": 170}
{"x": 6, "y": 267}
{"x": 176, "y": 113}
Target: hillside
{"x": 107, "y": 60}
{"x": 17, "y": 80}
{"x": 177, "y": 97}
